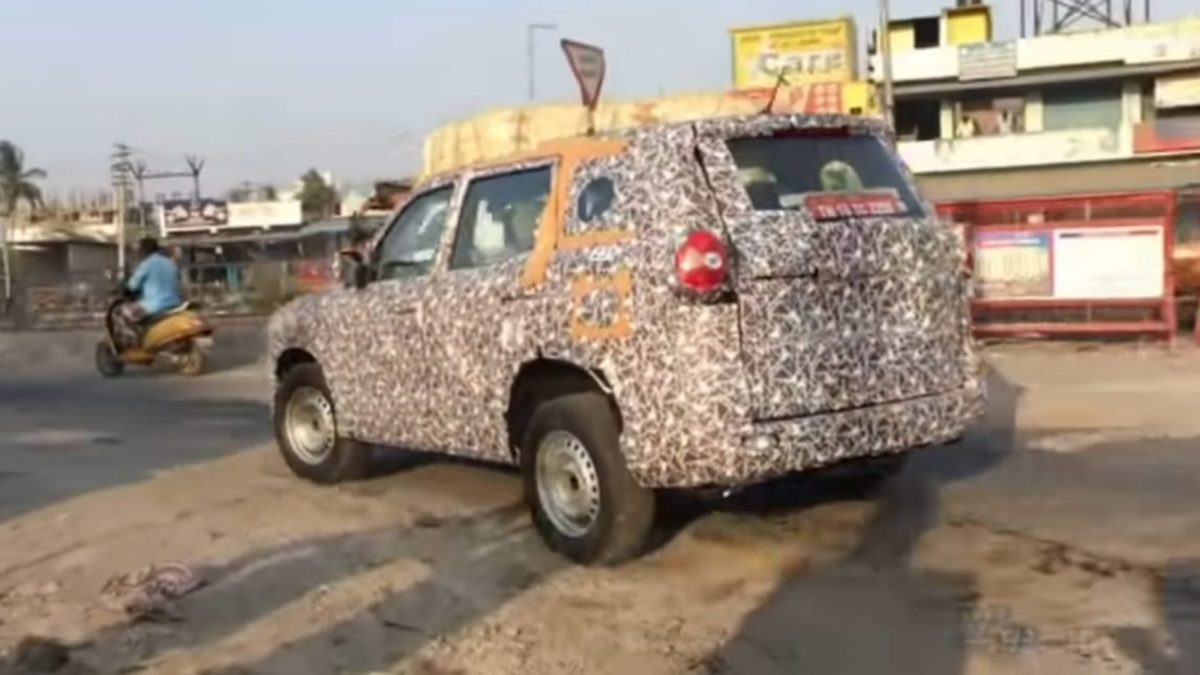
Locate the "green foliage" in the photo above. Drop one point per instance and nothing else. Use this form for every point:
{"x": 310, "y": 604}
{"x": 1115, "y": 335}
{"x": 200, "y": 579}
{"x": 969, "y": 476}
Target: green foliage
{"x": 16, "y": 181}
{"x": 318, "y": 199}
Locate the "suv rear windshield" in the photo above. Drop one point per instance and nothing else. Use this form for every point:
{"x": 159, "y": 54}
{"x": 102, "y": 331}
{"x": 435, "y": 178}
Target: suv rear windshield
{"x": 829, "y": 173}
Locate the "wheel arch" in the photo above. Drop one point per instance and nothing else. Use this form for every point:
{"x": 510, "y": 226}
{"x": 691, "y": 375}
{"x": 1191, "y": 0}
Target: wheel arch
{"x": 290, "y": 358}
{"x": 543, "y": 378}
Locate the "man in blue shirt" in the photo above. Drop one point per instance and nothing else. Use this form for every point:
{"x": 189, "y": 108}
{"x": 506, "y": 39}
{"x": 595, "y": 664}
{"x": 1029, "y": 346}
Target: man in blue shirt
{"x": 155, "y": 283}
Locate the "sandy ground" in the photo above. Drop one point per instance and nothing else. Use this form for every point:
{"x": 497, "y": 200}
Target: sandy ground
{"x": 1062, "y": 536}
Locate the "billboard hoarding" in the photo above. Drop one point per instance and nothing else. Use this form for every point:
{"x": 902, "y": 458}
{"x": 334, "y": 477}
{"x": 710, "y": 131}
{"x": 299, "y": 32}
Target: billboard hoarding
{"x": 265, "y": 214}
{"x": 1109, "y": 263}
{"x": 1013, "y": 265}
{"x": 810, "y": 51}
{"x": 189, "y": 214}
{"x": 1177, "y": 91}
{"x": 506, "y": 131}
{"x": 1070, "y": 263}
{"x": 987, "y": 60}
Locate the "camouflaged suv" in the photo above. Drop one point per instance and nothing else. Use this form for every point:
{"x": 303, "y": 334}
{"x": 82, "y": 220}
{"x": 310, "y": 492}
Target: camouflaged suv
{"x": 700, "y": 304}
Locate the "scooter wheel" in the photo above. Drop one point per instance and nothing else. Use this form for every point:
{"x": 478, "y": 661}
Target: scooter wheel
{"x": 107, "y": 361}
{"x": 193, "y": 361}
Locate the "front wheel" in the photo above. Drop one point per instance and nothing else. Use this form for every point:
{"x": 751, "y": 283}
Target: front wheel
{"x": 584, "y": 502}
{"x": 107, "y": 361}
{"x": 306, "y": 430}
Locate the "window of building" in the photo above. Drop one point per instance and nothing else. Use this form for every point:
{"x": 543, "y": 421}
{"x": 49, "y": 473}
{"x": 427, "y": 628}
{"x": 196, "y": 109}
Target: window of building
{"x": 989, "y": 116}
{"x": 918, "y": 120}
{"x": 1082, "y": 106}
{"x": 927, "y": 32}
{"x": 1187, "y": 218}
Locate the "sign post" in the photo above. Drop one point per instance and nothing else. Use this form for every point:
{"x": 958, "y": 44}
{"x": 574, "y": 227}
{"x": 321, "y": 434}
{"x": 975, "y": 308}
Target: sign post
{"x": 588, "y": 65}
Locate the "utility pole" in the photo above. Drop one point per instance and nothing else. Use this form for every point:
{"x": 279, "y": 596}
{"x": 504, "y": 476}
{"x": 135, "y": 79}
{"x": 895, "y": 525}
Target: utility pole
{"x": 531, "y": 52}
{"x": 121, "y": 167}
{"x": 195, "y": 166}
{"x": 883, "y": 41}
{"x": 142, "y": 174}
{"x": 139, "y": 171}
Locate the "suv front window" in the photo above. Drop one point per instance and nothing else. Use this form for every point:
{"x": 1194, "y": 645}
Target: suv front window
{"x": 410, "y": 246}
{"x": 787, "y": 171}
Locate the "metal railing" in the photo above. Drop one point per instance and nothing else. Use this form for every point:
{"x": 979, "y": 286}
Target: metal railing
{"x": 220, "y": 289}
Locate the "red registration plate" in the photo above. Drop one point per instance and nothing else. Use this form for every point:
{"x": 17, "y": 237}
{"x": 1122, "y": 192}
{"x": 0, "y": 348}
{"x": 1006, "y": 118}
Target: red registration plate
{"x": 839, "y": 206}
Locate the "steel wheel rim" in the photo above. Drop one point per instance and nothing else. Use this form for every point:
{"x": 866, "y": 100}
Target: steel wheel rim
{"x": 567, "y": 485}
{"x": 309, "y": 425}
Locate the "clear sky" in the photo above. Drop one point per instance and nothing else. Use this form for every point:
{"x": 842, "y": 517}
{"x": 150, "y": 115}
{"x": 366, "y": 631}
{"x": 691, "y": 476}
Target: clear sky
{"x": 264, "y": 89}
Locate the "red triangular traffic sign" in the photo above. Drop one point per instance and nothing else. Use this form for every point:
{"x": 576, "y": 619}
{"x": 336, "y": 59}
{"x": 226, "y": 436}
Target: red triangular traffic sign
{"x": 587, "y": 63}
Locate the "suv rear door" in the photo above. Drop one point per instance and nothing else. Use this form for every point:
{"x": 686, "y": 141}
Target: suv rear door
{"x": 849, "y": 293}
{"x": 480, "y": 310}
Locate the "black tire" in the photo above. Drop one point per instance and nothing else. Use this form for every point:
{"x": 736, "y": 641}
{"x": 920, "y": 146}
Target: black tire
{"x": 107, "y": 361}
{"x": 869, "y": 474}
{"x": 348, "y": 460}
{"x": 626, "y": 512}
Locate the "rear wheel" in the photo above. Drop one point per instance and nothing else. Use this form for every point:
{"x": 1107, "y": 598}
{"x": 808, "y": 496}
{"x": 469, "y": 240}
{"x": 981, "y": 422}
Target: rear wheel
{"x": 107, "y": 361}
{"x": 306, "y": 430}
{"x": 193, "y": 361}
{"x": 584, "y": 502}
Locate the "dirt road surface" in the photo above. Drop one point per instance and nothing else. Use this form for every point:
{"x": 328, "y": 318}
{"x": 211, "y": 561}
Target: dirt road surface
{"x": 1062, "y": 536}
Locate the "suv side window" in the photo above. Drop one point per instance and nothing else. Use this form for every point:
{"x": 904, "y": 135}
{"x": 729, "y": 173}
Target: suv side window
{"x": 599, "y": 209}
{"x": 500, "y": 217}
{"x": 410, "y": 245}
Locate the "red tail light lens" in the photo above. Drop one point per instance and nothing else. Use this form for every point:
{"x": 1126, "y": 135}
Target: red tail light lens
{"x": 702, "y": 262}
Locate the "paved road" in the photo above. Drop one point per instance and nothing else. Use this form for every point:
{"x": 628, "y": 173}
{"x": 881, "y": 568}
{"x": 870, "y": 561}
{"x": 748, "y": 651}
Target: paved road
{"x": 1073, "y": 505}
{"x": 68, "y": 431}
{"x": 1085, "y": 448}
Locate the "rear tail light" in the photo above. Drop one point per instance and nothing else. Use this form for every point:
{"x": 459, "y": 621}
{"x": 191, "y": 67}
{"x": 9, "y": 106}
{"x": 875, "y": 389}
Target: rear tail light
{"x": 702, "y": 262}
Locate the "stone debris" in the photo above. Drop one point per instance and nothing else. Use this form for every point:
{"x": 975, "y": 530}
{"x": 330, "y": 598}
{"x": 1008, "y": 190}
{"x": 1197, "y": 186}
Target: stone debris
{"x": 148, "y": 592}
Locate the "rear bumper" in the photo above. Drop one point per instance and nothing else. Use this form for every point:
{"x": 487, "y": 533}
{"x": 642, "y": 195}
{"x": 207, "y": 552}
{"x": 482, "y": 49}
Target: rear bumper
{"x": 765, "y": 450}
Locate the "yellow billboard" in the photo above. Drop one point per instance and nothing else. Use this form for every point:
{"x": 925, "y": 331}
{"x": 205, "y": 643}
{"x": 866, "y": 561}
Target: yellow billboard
{"x": 809, "y": 51}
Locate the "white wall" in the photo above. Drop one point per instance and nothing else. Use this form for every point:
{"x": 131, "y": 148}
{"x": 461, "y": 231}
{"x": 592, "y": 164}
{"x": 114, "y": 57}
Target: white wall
{"x": 1150, "y": 43}
{"x": 1034, "y": 112}
{"x": 1017, "y": 150}
{"x": 1131, "y": 103}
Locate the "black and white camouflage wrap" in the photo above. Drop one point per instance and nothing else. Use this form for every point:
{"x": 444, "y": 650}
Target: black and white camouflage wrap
{"x": 847, "y": 339}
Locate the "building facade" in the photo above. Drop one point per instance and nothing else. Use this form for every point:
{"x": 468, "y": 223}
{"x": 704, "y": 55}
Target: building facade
{"x": 1116, "y": 109}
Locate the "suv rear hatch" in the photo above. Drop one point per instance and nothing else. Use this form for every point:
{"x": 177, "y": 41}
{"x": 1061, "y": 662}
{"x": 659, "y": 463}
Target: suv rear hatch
{"x": 850, "y": 295}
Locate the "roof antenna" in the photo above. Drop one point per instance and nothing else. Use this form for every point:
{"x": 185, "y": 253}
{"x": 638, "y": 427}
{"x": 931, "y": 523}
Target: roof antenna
{"x": 779, "y": 82}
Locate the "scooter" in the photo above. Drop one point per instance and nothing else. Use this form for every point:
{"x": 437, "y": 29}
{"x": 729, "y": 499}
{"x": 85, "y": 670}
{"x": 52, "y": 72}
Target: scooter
{"x": 178, "y": 336}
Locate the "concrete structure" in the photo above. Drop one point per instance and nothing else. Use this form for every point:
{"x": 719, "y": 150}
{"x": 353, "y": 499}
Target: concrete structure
{"x": 1113, "y": 109}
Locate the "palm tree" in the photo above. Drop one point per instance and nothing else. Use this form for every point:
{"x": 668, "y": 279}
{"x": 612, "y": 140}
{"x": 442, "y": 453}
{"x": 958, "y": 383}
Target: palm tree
{"x": 16, "y": 184}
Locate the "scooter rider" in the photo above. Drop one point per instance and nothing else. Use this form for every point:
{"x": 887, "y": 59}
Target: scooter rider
{"x": 155, "y": 285}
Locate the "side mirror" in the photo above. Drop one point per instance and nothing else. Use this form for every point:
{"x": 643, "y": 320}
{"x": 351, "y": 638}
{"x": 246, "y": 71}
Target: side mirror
{"x": 353, "y": 269}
